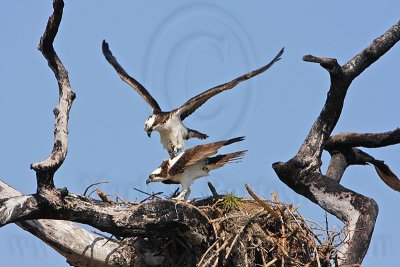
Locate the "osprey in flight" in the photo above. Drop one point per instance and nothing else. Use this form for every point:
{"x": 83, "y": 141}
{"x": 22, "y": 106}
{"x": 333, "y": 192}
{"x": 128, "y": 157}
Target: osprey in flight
{"x": 169, "y": 123}
{"x": 192, "y": 164}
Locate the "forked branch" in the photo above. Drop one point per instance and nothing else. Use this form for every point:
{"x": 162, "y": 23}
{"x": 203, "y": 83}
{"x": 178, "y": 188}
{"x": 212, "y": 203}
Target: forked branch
{"x": 302, "y": 173}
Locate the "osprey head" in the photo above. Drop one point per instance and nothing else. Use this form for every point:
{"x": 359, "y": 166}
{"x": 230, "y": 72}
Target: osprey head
{"x": 159, "y": 174}
{"x": 150, "y": 179}
{"x": 149, "y": 124}
{"x": 155, "y": 176}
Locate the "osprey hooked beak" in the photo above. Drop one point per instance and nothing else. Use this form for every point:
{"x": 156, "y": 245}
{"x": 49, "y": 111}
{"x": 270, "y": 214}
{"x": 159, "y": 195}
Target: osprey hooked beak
{"x": 148, "y": 130}
{"x": 150, "y": 179}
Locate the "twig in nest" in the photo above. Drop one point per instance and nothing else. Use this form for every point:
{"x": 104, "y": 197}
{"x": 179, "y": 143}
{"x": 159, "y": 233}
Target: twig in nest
{"x": 271, "y": 262}
{"x": 259, "y": 201}
{"x": 296, "y": 220}
{"x": 103, "y": 196}
{"x": 216, "y": 262}
{"x": 216, "y": 254}
{"x": 216, "y": 203}
{"x": 336, "y": 260}
{"x": 207, "y": 251}
{"x": 228, "y": 252}
{"x": 110, "y": 238}
{"x": 213, "y": 190}
{"x": 150, "y": 195}
{"x": 317, "y": 257}
{"x": 219, "y": 220}
{"x": 326, "y": 224}
{"x": 91, "y": 192}
{"x": 245, "y": 257}
{"x": 106, "y": 237}
{"x": 117, "y": 198}
{"x": 216, "y": 238}
{"x": 87, "y": 188}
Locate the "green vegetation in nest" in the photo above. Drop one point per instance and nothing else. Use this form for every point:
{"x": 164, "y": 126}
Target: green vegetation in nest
{"x": 230, "y": 201}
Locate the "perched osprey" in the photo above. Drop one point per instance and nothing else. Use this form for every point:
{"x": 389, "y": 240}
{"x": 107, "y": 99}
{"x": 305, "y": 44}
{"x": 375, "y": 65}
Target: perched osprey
{"x": 192, "y": 164}
{"x": 169, "y": 124}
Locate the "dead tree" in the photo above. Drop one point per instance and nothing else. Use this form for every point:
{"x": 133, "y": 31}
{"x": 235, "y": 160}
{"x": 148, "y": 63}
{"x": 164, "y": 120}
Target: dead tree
{"x": 302, "y": 173}
{"x": 145, "y": 228}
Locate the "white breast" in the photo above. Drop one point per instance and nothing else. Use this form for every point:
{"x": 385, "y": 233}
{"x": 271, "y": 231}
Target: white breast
{"x": 173, "y": 132}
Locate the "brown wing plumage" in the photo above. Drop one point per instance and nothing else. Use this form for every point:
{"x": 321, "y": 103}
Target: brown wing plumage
{"x": 386, "y": 174}
{"x": 128, "y": 79}
{"x": 196, "y": 153}
{"x": 221, "y": 160}
{"x": 195, "y": 102}
{"x": 383, "y": 170}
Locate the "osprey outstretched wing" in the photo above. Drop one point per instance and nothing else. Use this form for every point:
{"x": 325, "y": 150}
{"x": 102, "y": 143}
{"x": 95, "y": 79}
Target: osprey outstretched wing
{"x": 194, "y": 103}
{"x": 169, "y": 123}
{"x": 139, "y": 88}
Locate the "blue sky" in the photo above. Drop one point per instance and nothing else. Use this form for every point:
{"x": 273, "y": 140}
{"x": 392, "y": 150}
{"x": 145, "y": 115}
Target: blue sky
{"x": 178, "y": 49}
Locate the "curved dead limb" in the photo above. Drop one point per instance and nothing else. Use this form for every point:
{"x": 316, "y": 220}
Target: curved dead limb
{"x": 45, "y": 169}
{"x": 77, "y": 245}
{"x": 302, "y": 173}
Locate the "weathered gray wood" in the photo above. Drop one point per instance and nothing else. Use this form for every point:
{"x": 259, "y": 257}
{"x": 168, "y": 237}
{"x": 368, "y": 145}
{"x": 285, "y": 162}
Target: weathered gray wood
{"x": 302, "y": 173}
{"x": 45, "y": 169}
{"x": 77, "y": 245}
{"x": 370, "y": 140}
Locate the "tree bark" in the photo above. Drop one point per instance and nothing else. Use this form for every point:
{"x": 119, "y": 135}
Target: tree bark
{"x": 302, "y": 173}
{"x": 78, "y": 246}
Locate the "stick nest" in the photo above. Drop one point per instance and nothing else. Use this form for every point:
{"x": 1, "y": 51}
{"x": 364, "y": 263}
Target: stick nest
{"x": 255, "y": 232}
{"x": 252, "y": 232}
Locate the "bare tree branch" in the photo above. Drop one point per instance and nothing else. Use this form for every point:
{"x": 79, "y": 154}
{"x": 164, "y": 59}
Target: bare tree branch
{"x": 78, "y": 246}
{"x": 330, "y": 64}
{"x": 370, "y": 140}
{"x": 337, "y": 166}
{"x": 373, "y": 52}
{"x": 178, "y": 218}
{"x": 45, "y": 169}
{"x": 302, "y": 173}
